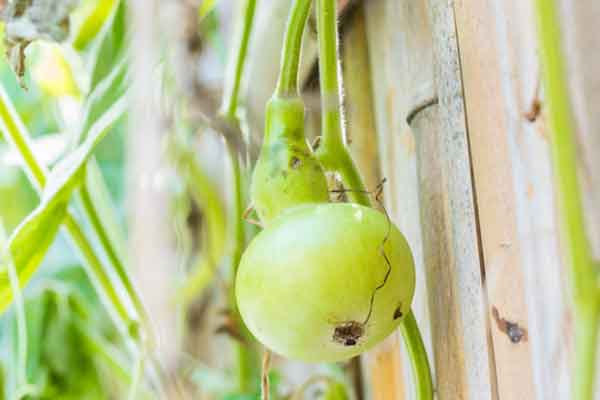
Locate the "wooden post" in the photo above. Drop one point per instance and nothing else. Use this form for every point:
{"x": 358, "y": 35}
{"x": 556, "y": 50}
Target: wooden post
{"x": 481, "y": 50}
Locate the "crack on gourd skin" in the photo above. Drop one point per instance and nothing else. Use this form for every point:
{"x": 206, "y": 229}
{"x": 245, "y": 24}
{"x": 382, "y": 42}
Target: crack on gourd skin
{"x": 348, "y": 330}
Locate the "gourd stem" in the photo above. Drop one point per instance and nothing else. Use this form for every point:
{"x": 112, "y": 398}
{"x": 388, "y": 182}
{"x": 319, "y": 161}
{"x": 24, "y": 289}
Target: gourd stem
{"x": 329, "y": 72}
{"x": 334, "y": 156}
{"x": 287, "y": 84}
{"x": 584, "y": 273}
{"x": 229, "y": 111}
{"x": 332, "y": 152}
{"x": 418, "y": 356}
{"x": 332, "y": 141}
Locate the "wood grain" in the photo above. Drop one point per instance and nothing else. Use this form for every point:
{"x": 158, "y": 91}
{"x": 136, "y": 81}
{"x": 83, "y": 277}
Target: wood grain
{"x": 469, "y": 303}
{"x": 480, "y": 54}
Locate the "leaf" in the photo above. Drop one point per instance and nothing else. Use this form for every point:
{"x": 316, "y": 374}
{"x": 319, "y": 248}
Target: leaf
{"x": 106, "y": 93}
{"x": 112, "y": 45}
{"x": 32, "y": 238}
{"x": 103, "y": 204}
{"x": 29, "y": 244}
{"x": 93, "y": 23}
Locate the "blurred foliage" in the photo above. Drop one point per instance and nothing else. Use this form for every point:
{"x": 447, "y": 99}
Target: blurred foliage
{"x": 68, "y": 330}
{"x": 62, "y": 358}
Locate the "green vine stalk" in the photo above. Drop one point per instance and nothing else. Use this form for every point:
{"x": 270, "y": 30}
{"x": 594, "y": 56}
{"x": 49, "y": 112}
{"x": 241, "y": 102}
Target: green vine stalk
{"x": 229, "y": 112}
{"x": 335, "y": 156}
{"x": 584, "y": 273}
{"x": 287, "y": 83}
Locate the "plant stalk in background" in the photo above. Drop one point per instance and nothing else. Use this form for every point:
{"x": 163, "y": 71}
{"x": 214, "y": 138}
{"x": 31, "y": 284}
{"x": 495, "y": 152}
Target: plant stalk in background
{"x": 584, "y": 272}
{"x": 229, "y": 113}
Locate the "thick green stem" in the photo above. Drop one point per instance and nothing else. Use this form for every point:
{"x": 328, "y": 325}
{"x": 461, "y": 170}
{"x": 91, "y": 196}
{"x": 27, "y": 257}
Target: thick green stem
{"x": 332, "y": 126}
{"x": 418, "y": 356}
{"x": 335, "y": 156}
{"x": 584, "y": 274}
{"x": 332, "y": 152}
{"x": 287, "y": 84}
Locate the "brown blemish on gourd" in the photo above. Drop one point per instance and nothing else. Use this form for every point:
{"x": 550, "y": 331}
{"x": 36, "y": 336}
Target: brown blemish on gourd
{"x": 515, "y": 333}
{"x": 398, "y": 312}
{"x": 348, "y": 333}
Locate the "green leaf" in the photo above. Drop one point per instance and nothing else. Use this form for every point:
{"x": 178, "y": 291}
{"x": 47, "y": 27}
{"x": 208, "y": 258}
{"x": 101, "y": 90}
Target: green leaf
{"x": 112, "y": 87}
{"x": 112, "y": 45}
{"x": 29, "y": 244}
{"x": 93, "y": 23}
{"x": 106, "y": 209}
{"x": 35, "y": 234}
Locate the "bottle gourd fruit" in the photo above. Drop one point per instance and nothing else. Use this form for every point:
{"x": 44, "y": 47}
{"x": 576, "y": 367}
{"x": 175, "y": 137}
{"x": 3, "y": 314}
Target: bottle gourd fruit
{"x": 323, "y": 281}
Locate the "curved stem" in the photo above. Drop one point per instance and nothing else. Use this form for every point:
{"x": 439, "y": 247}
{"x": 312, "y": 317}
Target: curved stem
{"x": 334, "y": 156}
{"x": 418, "y": 356}
{"x": 584, "y": 273}
{"x": 229, "y": 111}
{"x": 287, "y": 84}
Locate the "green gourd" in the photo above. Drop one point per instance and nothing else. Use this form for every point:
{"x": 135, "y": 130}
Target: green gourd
{"x": 325, "y": 282}
{"x": 286, "y": 173}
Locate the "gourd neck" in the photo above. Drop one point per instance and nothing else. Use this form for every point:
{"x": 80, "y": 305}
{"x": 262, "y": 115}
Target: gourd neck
{"x": 284, "y": 120}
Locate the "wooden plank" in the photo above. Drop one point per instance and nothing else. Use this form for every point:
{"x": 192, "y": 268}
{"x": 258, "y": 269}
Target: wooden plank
{"x": 537, "y": 233}
{"x": 480, "y": 54}
{"x": 400, "y": 53}
{"x": 467, "y": 311}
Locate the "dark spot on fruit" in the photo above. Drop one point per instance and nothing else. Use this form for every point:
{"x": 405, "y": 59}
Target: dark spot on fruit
{"x": 295, "y": 162}
{"x": 348, "y": 333}
{"x": 398, "y": 313}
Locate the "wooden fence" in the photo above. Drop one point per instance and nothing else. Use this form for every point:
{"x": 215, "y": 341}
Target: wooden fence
{"x": 449, "y": 93}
